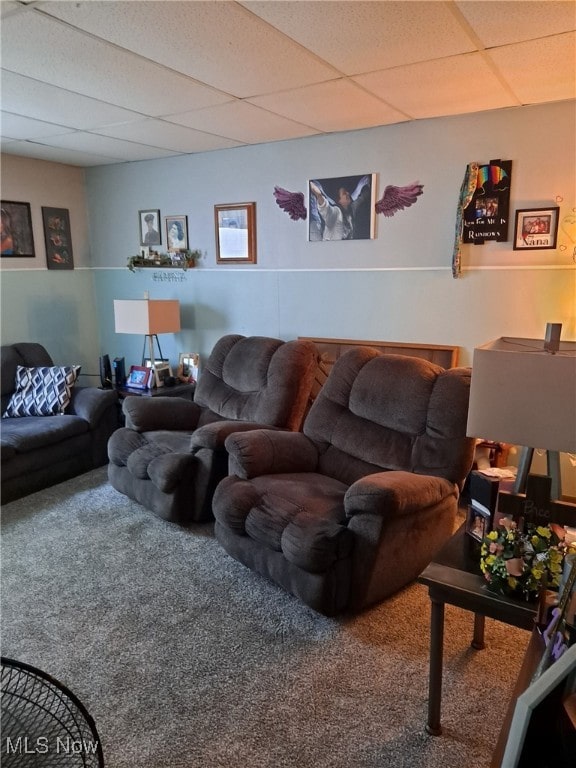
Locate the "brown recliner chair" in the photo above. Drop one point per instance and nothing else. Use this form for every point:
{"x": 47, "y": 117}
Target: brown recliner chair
{"x": 353, "y": 508}
{"x": 170, "y": 455}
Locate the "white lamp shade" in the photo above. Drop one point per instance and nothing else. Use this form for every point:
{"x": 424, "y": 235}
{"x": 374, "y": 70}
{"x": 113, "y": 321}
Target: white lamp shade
{"x": 523, "y": 395}
{"x": 146, "y": 316}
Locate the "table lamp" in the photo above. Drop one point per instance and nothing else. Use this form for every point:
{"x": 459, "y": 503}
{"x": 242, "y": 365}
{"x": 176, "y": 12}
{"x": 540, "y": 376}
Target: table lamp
{"x": 147, "y": 317}
{"x": 523, "y": 391}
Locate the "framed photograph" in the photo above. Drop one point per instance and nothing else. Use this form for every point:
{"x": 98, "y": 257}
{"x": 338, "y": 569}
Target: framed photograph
{"x": 176, "y": 233}
{"x": 161, "y": 372}
{"x": 235, "y": 233}
{"x": 536, "y": 228}
{"x": 57, "y": 238}
{"x": 188, "y": 365}
{"x": 342, "y": 208}
{"x": 149, "y": 222}
{"x": 139, "y": 377}
{"x": 157, "y": 361}
{"x": 16, "y": 237}
{"x": 477, "y": 523}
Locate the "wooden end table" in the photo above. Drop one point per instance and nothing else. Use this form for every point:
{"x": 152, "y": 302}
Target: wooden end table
{"x": 454, "y": 577}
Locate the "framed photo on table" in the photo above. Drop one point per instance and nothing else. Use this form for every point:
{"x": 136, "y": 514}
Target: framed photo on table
{"x": 161, "y": 372}
{"x": 188, "y": 365}
{"x": 536, "y": 228}
{"x": 139, "y": 377}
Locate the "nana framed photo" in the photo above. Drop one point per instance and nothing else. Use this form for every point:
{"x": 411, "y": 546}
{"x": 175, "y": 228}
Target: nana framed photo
{"x": 235, "y": 226}
{"x": 176, "y": 233}
{"x": 149, "y": 222}
{"x": 16, "y": 237}
{"x": 536, "y": 229}
{"x": 57, "y": 238}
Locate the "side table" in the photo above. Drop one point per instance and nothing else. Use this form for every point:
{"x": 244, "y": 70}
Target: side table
{"x": 454, "y": 577}
{"x": 178, "y": 390}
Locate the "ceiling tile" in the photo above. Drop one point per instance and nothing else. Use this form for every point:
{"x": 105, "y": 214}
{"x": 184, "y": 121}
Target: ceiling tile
{"x": 554, "y": 79}
{"x": 366, "y": 36}
{"x": 57, "y": 155}
{"x": 334, "y": 106}
{"x": 443, "y": 87}
{"x": 99, "y": 70}
{"x": 514, "y": 21}
{"x": 31, "y": 98}
{"x": 218, "y": 43}
{"x": 176, "y": 138}
{"x": 243, "y": 122}
{"x": 25, "y": 128}
{"x": 109, "y": 147}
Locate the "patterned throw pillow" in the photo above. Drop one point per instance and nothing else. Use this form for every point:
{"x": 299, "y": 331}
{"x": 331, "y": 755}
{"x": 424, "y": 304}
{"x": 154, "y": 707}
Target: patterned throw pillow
{"x": 42, "y": 391}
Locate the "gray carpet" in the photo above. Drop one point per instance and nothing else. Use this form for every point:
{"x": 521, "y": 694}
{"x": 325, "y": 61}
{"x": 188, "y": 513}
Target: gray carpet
{"x": 186, "y": 659}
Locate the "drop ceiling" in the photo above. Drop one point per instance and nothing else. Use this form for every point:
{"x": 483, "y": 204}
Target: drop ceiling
{"x": 94, "y": 83}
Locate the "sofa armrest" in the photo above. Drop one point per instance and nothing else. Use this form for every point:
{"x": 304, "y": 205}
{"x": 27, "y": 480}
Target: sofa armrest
{"x": 214, "y": 435}
{"x": 266, "y": 452}
{"x": 149, "y": 414}
{"x": 91, "y": 403}
{"x": 397, "y": 492}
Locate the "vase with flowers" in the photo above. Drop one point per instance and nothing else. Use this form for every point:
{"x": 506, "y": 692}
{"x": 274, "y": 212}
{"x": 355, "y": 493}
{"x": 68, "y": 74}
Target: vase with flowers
{"x": 522, "y": 563}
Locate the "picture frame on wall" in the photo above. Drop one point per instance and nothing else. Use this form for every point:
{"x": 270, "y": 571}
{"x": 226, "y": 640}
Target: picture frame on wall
{"x": 176, "y": 233}
{"x": 536, "y": 229}
{"x": 58, "y": 238}
{"x": 149, "y": 222}
{"x": 17, "y": 238}
{"x": 235, "y": 230}
{"x": 342, "y": 208}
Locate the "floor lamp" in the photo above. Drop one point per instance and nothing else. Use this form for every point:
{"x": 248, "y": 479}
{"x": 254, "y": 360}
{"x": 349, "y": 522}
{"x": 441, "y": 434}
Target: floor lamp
{"x": 147, "y": 317}
{"x": 524, "y": 392}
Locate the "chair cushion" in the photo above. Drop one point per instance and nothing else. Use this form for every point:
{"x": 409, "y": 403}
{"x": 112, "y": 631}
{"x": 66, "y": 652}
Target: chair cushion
{"x": 300, "y": 514}
{"x": 44, "y": 391}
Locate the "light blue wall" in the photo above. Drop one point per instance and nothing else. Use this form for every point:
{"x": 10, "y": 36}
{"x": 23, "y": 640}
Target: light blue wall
{"x": 397, "y": 287}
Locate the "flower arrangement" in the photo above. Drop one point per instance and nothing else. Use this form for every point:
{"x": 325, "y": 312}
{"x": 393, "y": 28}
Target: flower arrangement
{"x": 520, "y": 563}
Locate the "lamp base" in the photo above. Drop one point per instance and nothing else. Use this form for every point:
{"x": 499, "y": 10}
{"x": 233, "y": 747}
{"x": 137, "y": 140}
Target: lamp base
{"x": 553, "y": 467}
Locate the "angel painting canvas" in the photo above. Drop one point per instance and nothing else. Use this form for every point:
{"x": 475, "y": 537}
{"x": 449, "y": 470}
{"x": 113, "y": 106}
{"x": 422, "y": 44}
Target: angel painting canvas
{"x": 342, "y": 208}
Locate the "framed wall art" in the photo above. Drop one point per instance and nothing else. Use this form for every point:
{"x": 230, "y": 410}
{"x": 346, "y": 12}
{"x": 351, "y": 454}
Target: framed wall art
{"x": 16, "y": 237}
{"x": 176, "y": 233}
{"x": 487, "y": 213}
{"x": 342, "y": 208}
{"x": 536, "y": 228}
{"x": 57, "y": 238}
{"x": 235, "y": 226}
{"x": 149, "y": 222}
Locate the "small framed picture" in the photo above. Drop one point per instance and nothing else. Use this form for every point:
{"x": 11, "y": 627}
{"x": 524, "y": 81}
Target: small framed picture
{"x": 477, "y": 523}
{"x": 176, "y": 233}
{"x": 149, "y": 227}
{"x": 188, "y": 365}
{"x": 139, "y": 377}
{"x": 161, "y": 372}
{"x": 536, "y": 228}
{"x": 163, "y": 361}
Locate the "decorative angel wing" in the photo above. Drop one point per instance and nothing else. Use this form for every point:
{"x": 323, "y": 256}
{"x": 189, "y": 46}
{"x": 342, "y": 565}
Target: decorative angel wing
{"x": 396, "y": 199}
{"x": 291, "y": 202}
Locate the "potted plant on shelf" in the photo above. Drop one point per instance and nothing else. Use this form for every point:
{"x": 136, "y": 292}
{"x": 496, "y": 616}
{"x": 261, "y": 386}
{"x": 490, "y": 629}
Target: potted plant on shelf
{"x": 174, "y": 260}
